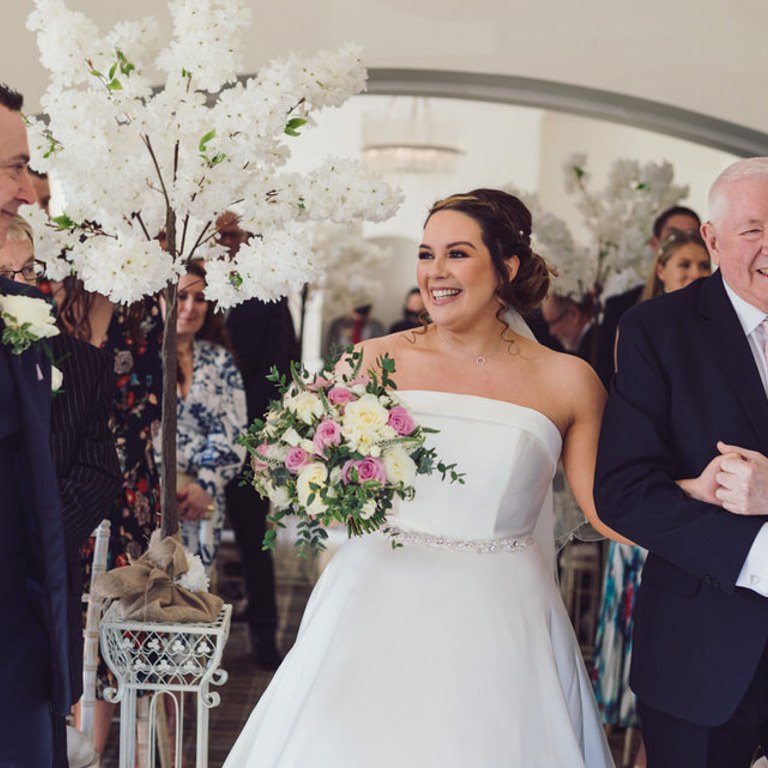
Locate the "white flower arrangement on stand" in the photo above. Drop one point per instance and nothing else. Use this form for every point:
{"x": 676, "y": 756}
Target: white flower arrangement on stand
{"x": 134, "y": 162}
{"x": 619, "y": 219}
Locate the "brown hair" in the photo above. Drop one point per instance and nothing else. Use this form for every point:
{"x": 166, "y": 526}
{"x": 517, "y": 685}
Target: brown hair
{"x": 669, "y": 246}
{"x": 505, "y": 224}
{"x": 213, "y": 328}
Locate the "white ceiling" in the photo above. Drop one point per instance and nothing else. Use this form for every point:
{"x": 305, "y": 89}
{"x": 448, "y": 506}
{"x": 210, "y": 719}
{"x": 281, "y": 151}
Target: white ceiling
{"x": 709, "y": 57}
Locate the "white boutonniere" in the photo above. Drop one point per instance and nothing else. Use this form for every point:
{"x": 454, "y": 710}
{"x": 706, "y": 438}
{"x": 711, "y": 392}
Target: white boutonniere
{"x": 29, "y": 320}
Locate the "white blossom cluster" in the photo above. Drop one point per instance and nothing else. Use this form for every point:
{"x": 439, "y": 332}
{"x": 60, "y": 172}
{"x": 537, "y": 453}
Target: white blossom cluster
{"x": 126, "y": 155}
{"x": 348, "y": 263}
{"x": 619, "y": 218}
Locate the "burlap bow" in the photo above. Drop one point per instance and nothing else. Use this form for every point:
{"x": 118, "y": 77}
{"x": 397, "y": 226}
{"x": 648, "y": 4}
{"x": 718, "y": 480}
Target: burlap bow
{"x": 147, "y": 590}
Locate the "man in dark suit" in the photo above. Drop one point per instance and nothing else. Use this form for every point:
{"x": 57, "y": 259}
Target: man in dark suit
{"x": 82, "y": 445}
{"x": 34, "y": 657}
{"x": 692, "y": 371}
{"x": 677, "y": 218}
{"x": 262, "y": 336}
{"x": 571, "y": 323}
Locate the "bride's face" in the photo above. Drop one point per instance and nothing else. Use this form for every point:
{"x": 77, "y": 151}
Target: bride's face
{"x": 455, "y": 274}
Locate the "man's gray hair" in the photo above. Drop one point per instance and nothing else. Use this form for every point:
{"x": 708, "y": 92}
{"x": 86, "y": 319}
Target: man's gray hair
{"x": 751, "y": 167}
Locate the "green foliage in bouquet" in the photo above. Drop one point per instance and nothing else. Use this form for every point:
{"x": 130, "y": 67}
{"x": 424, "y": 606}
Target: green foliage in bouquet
{"x": 337, "y": 448}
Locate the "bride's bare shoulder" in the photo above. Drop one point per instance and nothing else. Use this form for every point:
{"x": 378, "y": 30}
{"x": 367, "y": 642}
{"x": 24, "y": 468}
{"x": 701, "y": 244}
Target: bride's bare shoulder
{"x": 393, "y": 345}
{"x": 567, "y": 370}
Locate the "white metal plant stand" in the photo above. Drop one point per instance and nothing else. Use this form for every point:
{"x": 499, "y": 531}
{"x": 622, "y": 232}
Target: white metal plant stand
{"x": 171, "y": 659}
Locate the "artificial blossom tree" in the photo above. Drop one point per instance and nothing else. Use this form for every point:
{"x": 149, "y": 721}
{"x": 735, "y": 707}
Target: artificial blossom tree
{"x": 137, "y": 163}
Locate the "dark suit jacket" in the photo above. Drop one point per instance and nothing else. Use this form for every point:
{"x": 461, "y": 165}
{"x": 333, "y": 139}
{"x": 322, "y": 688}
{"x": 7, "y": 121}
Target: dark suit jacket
{"x": 614, "y": 309}
{"x": 86, "y": 463}
{"x": 686, "y": 379}
{"x": 47, "y": 574}
{"x": 262, "y": 335}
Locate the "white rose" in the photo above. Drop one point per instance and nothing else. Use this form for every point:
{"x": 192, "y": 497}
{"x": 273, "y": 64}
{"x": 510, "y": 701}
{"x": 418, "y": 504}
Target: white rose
{"x": 375, "y": 451}
{"x": 368, "y": 509}
{"x": 57, "y": 378}
{"x": 399, "y": 466}
{"x": 18, "y": 310}
{"x": 306, "y": 405}
{"x": 291, "y": 436}
{"x": 307, "y": 445}
{"x": 312, "y": 474}
{"x": 279, "y": 497}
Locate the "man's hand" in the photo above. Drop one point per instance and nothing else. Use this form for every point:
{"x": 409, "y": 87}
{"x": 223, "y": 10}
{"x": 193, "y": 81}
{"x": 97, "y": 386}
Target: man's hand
{"x": 194, "y": 503}
{"x": 705, "y": 486}
{"x": 742, "y": 480}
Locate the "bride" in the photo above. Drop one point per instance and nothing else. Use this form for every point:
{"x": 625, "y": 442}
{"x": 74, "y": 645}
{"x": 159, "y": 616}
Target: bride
{"x": 455, "y": 649}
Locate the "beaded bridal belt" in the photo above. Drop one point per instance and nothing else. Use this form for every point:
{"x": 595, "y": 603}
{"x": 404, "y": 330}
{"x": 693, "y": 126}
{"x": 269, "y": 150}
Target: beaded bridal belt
{"x": 479, "y": 546}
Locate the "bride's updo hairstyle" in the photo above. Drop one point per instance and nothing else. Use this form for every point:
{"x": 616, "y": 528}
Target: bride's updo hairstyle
{"x": 505, "y": 224}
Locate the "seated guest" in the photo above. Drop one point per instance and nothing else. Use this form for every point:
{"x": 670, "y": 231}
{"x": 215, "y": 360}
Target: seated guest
{"x": 83, "y": 450}
{"x": 353, "y": 328}
{"x": 572, "y": 323}
{"x": 211, "y": 414}
{"x": 412, "y": 309}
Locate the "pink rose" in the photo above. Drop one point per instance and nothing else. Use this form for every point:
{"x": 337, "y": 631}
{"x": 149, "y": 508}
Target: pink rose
{"x": 319, "y": 383}
{"x": 261, "y": 450}
{"x": 371, "y": 469}
{"x": 349, "y": 464}
{"x": 296, "y": 459}
{"x": 340, "y": 395}
{"x": 327, "y": 433}
{"x": 400, "y": 420}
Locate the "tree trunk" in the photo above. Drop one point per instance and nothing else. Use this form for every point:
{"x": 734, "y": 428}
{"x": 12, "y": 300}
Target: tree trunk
{"x": 169, "y": 518}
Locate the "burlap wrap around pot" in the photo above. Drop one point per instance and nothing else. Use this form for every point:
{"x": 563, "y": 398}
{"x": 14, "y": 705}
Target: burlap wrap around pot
{"x": 146, "y": 590}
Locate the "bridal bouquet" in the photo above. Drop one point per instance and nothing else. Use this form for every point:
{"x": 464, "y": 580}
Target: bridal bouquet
{"x": 338, "y": 448}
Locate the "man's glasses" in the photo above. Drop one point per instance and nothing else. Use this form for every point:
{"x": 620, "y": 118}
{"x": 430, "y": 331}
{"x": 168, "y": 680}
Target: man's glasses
{"x": 33, "y": 271}
{"x": 555, "y": 320}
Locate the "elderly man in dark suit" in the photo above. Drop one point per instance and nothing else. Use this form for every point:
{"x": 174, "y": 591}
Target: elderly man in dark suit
{"x": 682, "y": 470}
{"x": 34, "y": 655}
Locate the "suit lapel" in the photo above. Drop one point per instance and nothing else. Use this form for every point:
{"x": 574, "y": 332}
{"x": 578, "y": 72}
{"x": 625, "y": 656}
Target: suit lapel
{"x": 729, "y": 346}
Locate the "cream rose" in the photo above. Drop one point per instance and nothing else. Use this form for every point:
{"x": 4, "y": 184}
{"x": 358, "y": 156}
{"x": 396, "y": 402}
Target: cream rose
{"x": 364, "y": 421}
{"x": 399, "y": 466}
{"x": 312, "y": 474}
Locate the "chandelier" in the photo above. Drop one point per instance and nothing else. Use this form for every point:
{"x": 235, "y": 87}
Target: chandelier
{"x": 408, "y": 138}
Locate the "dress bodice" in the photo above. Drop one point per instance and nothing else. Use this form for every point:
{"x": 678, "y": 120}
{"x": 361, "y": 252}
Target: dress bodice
{"x": 508, "y": 454}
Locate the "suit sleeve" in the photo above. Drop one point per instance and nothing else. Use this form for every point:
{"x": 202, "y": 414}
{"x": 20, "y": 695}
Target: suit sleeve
{"x": 639, "y": 458}
{"x": 91, "y": 478}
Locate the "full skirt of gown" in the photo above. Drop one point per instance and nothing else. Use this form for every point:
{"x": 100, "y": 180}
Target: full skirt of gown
{"x": 455, "y": 649}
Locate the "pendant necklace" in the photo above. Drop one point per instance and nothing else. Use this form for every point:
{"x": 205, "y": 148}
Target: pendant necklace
{"x": 480, "y": 360}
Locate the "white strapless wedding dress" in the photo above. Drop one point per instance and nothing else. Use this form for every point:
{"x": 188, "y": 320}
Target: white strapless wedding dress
{"x": 455, "y": 650}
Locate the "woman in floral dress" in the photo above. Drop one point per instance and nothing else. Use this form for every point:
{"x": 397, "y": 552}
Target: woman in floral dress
{"x": 211, "y": 414}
